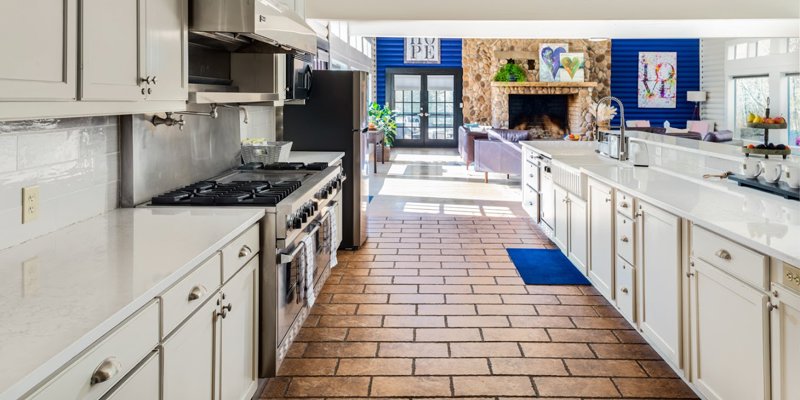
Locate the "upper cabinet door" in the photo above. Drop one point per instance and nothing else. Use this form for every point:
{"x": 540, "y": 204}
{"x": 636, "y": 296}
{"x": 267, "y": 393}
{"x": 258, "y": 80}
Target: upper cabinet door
{"x": 39, "y": 50}
{"x": 111, "y": 65}
{"x": 166, "y": 49}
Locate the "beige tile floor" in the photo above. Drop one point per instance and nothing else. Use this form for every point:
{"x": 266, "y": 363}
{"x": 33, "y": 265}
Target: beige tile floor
{"x": 431, "y": 306}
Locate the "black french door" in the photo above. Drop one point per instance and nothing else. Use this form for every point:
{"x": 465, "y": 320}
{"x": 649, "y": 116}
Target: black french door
{"x": 428, "y": 105}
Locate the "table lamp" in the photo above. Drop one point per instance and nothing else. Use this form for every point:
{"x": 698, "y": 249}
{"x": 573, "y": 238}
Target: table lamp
{"x": 697, "y": 97}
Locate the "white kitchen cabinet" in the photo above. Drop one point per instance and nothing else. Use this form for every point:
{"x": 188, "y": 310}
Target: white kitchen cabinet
{"x": 659, "y": 278}
{"x": 166, "y": 50}
{"x": 561, "y": 226}
{"x": 111, "y": 53}
{"x": 547, "y": 210}
{"x": 578, "y": 243}
{"x": 39, "y": 50}
{"x": 141, "y": 384}
{"x": 730, "y": 336}
{"x": 785, "y": 343}
{"x": 190, "y": 354}
{"x": 139, "y": 55}
{"x": 601, "y": 237}
{"x": 239, "y": 343}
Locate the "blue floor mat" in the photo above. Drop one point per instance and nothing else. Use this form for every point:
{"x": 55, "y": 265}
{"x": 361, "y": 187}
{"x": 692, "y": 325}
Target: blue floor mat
{"x": 546, "y": 267}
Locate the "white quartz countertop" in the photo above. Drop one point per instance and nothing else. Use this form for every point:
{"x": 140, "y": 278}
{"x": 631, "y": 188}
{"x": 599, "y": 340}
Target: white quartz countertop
{"x": 61, "y": 292}
{"x": 764, "y": 222}
{"x": 329, "y": 157}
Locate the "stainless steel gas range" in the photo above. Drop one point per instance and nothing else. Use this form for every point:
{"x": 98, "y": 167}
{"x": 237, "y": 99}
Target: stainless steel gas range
{"x": 301, "y": 202}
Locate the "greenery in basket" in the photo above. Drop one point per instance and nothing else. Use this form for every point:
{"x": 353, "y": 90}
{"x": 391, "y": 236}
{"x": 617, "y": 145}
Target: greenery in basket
{"x": 385, "y": 119}
{"x": 511, "y": 72}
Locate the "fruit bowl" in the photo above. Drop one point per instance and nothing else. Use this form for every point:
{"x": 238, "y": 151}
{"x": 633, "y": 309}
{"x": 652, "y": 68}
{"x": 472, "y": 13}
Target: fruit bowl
{"x": 766, "y": 152}
{"x": 766, "y": 126}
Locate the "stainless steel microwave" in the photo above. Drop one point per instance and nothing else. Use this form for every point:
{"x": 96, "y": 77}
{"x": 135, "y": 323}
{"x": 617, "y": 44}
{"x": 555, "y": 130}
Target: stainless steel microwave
{"x": 299, "y": 71}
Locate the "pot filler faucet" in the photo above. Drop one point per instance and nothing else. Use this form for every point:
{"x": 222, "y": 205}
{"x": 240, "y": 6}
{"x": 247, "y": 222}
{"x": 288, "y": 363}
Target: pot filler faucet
{"x": 621, "y": 148}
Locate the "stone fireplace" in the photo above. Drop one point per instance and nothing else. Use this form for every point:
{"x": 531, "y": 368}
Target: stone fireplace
{"x": 486, "y": 102}
{"x": 545, "y": 108}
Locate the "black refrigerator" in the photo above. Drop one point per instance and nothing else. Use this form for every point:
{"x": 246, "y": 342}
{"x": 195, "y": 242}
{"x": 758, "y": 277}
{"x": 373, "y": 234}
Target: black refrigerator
{"x": 334, "y": 118}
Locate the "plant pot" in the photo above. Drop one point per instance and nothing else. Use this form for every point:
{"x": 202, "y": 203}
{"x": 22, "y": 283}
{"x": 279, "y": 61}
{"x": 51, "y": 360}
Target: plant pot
{"x": 387, "y": 154}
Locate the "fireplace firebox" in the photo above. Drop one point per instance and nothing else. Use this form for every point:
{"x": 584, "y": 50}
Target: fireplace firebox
{"x": 546, "y": 116}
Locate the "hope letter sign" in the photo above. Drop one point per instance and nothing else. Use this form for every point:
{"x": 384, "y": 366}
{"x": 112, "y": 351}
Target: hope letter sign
{"x": 422, "y": 51}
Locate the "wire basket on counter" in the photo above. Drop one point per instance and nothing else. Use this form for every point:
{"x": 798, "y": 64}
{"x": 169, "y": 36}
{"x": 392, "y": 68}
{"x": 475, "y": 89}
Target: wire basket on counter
{"x": 266, "y": 152}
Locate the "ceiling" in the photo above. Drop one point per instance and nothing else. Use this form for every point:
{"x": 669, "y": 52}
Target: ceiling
{"x": 569, "y": 19}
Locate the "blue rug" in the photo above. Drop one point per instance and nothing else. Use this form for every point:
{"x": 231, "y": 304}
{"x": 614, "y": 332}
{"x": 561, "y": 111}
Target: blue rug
{"x": 546, "y": 267}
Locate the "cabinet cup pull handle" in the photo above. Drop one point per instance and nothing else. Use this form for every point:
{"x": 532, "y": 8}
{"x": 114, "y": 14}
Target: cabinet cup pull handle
{"x": 723, "y": 254}
{"x": 623, "y": 204}
{"x": 245, "y": 251}
{"x": 105, "y": 371}
{"x": 197, "y": 292}
{"x": 624, "y": 239}
{"x": 624, "y": 290}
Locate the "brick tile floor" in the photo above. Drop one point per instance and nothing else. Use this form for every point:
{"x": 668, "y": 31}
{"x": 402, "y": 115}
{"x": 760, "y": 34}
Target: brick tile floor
{"x": 431, "y": 307}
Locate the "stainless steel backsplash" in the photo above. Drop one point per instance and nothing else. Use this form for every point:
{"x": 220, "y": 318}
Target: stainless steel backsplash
{"x": 158, "y": 159}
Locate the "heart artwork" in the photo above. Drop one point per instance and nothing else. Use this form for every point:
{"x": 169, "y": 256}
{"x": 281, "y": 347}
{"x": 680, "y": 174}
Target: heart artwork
{"x": 550, "y": 60}
{"x": 571, "y": 65}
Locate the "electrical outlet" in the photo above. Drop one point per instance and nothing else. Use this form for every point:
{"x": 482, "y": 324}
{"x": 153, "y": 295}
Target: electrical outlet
{"x": 30, "y": 204}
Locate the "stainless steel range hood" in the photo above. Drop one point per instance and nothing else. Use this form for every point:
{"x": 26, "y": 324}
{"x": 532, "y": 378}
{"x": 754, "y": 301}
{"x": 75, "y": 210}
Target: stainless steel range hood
{"x": 258, "y": 26}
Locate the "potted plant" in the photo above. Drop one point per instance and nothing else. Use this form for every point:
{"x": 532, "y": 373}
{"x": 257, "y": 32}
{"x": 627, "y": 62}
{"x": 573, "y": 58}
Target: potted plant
{"x": 385, "y": 119}
{"x": 510, "y": 72}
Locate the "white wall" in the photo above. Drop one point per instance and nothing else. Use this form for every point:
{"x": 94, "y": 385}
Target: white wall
{"x": 75, "y": 163}
{"x": 712, "y": 80}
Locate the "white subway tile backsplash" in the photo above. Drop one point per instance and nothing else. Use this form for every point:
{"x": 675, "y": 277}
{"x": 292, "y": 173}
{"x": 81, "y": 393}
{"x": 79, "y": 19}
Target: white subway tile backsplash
{"x": 8, "y": 153}
{"x": 75, "y": 163}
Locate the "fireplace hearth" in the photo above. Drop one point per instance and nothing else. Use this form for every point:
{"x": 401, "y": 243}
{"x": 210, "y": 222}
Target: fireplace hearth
{"x": 546, "y": 116}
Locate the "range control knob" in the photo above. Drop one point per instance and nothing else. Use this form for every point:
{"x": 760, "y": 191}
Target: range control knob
{"x": 336, "y": 184}
{"x": 324, "y": 193}
{"x": 315, "y": 206}
{"x": 297, "y": 223}
{"x": 330, "y": 189}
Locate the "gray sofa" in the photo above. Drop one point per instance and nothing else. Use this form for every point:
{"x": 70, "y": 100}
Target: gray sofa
{"x": 500, "y": 152}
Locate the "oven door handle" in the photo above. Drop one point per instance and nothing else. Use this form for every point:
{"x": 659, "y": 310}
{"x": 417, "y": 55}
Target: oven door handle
{"x": 287, "y": 258}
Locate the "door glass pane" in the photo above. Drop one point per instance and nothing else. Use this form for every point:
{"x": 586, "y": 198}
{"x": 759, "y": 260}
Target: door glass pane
{"x": 440, "y": 107}
{"x": 407, "y": 90}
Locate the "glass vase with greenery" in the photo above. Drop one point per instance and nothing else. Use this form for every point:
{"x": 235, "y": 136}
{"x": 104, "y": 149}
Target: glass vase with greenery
{"x": 385, "y": 119}
{"x": 510, "y": 72}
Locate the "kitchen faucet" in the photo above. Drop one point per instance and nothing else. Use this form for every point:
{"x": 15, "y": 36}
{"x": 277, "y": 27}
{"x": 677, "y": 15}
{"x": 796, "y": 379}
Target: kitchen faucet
{"x": 621, "y": 148}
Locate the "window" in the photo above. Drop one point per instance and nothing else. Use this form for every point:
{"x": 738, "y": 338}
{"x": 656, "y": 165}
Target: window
{"x": 750, "y": 96}
{"x": 741, "y": 51}
{"x": 794, "y": 109}
{"x": 794, "y": 45}
{"x": 367, "y": 48}
{"x": 763, "y": 47}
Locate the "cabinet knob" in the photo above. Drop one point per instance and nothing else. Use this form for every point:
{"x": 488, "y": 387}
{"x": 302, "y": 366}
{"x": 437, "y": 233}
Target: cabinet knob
{"x": 229, "y": 307}
{"x": 245, "y": 251}
{"x": 608, "y": 199}
{"x": 149, "y": 91}
{"x": 624, "y": 290}
{"x": 197, "y": 292}
{"x": 723, "y": 254}
{"x": 223, "y": 313}
{"x": 624, "y": 239}
{"x": 154, "y": 80}
{"x": 144, "y": 91}
{"x": 771, "y": 306}
{"x": 105, "y": 371}
{"x": 689, "y": 274}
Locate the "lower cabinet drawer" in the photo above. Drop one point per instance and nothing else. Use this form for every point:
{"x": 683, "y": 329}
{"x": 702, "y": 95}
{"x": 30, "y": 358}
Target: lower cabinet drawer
{"x": 239, "y": 251}
{"x": 141, "y": 384}
{"x": 625, "y": 238}
{"x": 625, "y": 277}
{"x": 108, "y": 361}
{"x": 731, "y": 257}
{"x": 189, "y": 293}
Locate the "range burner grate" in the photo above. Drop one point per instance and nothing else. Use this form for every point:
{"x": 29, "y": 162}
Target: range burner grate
{"x": 235, "y": 193}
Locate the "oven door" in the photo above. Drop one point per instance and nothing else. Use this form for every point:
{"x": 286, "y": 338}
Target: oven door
{"x": 324, "y": 243}
{"x": 291, "y": 285}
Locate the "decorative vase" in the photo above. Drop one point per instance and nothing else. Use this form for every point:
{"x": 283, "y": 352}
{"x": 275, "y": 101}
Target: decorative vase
{"x": 387, "y": 154}
{"x": 512, "y": 78}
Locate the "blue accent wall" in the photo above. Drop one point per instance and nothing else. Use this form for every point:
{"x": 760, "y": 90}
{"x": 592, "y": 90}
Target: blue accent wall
{"x": 389, "y": 54}
{"x": 624, "y": 78}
